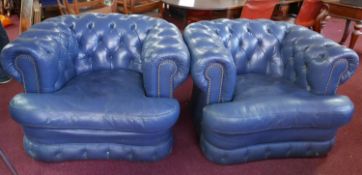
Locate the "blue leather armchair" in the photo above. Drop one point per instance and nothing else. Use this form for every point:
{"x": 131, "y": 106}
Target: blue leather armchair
{"x": 266, "y": 89}
{"x": 97, "y": 86}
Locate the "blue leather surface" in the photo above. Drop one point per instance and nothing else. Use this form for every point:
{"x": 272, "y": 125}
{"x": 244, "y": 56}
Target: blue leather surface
{"x": 274, "y": 94}
{"x": 94, "y": 112}
{"x": 46, "y": 136}
{"x": 262, "y": 103}
{"x": 93, "y": 86}
{"x": 56, "y": 50}
{"x": 213, "y": 69}
{"x": 266, "y": 151}
{"x": 105, "y": 100}
{"x": 235, "y": 141}
{"x": 166, "y": 60}
{"x": 274, "y": 48}
{"x": 85, "y": 151}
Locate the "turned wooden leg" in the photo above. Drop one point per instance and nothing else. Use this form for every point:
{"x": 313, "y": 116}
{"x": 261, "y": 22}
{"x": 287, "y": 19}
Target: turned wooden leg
{"x": 346, "y": 32}
{"x": 356, "y": 33}
{"x": 284, "y": 9}
{"x": 321, "y": 19}
{"x": 187, "y": 18}
{"x": 229, "y": 13}
{"x": 161, "y": 10}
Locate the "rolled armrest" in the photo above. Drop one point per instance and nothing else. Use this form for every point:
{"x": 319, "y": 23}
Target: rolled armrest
{"x": 166, "y": 60}
{"x": 212, "y": 66}
{"x": 316, "y": 63}
{"x": 41, "y": 58}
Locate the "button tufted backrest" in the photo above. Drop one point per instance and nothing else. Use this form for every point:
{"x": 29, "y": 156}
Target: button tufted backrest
{"x": 316, "y": 63}
{"x": 108, "y": 41}
{"x": 254, "y": 44}
{"x": 280, "y": 49}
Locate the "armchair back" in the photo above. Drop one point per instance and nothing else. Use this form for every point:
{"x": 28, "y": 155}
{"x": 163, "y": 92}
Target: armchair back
{"x": 108, "y": 41}
{"x": 276, "y": 49}
{"x": 54, "y": 51}
{"x": 254, "y": 45}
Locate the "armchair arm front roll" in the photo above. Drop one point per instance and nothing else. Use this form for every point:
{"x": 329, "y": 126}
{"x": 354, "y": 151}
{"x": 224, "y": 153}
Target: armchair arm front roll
{"x": 166, "y": 60}
{"x": 212, "y": 66}
{"x": 316, "y": 63}
{"x": 41, "y": 58}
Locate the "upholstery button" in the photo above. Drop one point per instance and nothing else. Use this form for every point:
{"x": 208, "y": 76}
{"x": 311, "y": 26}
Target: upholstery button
{"x": 112, "y": 25}
{"x": 289, "y": 150}
{"x": 328, "y": 45}
{"x": 308, "y": 87}
{"x": 108, "y": 154}
{"x": 260, "y": 42}
{"x": 305, "y": 66}
{"x": 322, "y": 55}
{"x": 90, "y": 26}
{"x": 248, "y": 30}
{"x": 268, "y": 31}
{"x": 72, "y": 26}
{"x": 133, "y": 27}
{"x": 316, "y": 154}
{"x": 85, "y": 154}
{"x": 58, "y": 155}
{"x": 267, "y": 152}
{"x": 230, "y": 30}
{"x": 130, "y": 156}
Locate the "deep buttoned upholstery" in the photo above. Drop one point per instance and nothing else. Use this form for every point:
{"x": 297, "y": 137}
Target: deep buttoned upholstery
{"x": 266, "y": 89}
{"x": 97, "y": 86}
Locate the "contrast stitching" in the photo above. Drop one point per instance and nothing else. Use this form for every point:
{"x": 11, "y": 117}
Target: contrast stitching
{"x": 331, "y": 72}
{"x": 217, "y": 65}
{"x": 31, "y": 59}
{"x": 171, "y": 77}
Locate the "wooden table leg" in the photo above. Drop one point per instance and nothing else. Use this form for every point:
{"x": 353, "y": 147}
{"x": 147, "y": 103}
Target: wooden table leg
{"x": 346, "y": 32}
{"x": 186, "y": 19}
{"x": 229, "y": 13}
{"x": 284, "y": 9}
{"x": 321, "y": 19}
{"x": 356, "y": 33}
{"x": 161, "y": 12}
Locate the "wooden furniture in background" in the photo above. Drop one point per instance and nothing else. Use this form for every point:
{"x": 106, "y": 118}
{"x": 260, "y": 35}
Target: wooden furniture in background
{"x": 349, "y": 12}
{"x": 86, "y": 6}
{"x": 37, "y": 12}
{"x": 205, "y": 5}
{"x": 26, "y": 15}
{"x": 256, "y": 9}
{"x": 139, "y": 6}
{"x": 308, "y": 15}
{"x": 196, "y": 10}
{"x": 283, "y": 8}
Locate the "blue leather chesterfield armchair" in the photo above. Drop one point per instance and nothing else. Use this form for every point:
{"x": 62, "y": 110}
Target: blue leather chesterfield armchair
{"x": 97, "y": 86}
{"x": 267, "y": 89}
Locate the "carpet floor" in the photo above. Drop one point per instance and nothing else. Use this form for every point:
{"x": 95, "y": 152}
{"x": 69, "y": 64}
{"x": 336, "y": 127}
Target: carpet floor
{"x": 186, "y": 158}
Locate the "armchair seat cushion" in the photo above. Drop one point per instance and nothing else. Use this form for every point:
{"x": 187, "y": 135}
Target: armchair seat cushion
{"x": 100, "y": 100}
{"x": 263, "y": 103}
